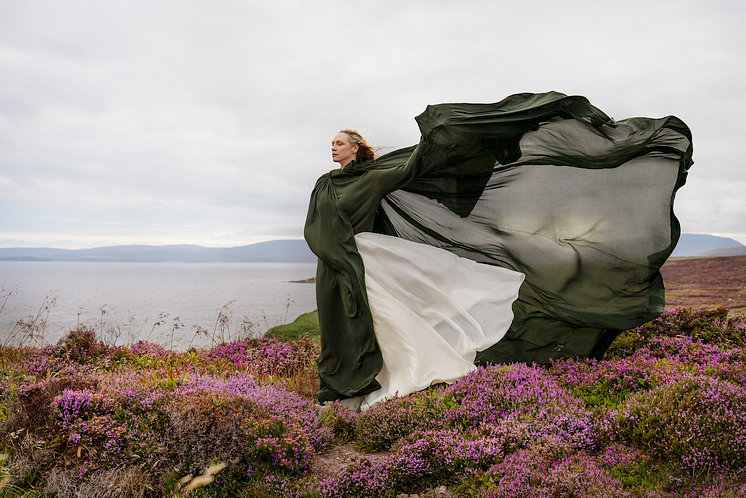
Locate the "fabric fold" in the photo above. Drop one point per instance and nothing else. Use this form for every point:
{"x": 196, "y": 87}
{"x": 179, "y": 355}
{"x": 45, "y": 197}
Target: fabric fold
{"x": 542, "y": 184}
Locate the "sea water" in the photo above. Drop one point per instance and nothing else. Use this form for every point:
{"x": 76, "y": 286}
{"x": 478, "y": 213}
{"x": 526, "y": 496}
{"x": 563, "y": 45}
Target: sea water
{"x": 174, "y": 304}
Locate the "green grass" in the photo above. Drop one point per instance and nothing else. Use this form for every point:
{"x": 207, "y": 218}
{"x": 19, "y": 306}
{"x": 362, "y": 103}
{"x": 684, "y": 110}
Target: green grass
{"x": 305, "y": 326}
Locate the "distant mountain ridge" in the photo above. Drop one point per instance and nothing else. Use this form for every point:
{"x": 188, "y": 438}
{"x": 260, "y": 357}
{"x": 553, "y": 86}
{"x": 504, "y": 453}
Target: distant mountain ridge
{"x": 283, "y": 251}
{"x": 720, "y": 253}
{"x": 274, "y": 251}
{"x": 698, "y": 244}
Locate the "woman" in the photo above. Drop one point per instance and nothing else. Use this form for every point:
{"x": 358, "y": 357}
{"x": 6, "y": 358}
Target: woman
{"x": 542, "y": 184}
{"x": 420, "y": 338}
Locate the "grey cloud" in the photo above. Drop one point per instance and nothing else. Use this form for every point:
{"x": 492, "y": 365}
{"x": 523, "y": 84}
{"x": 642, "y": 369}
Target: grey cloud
{"x": 199, "y": 122}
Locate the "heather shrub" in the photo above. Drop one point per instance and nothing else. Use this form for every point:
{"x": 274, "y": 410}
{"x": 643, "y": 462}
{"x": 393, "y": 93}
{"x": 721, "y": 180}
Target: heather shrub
{"x": 339, "y": 419}
{"x": 717, "y": 360}
{"x": 77, "y": 353}
{"x": 697, "y": 421}
{"x": 577, "y": 430}
{"x": 71, "y": 406}
{"x": 102, "y": 440}
{"x": 719, "y": 487}
{"x": 489, "y": 394}
{"x": 537, "y": 473}
{"x": 45, "y": 365}
{"x": 206, "y": 426}
{"x": 265, "y": 356}
{"x": 105, "y": 429}
{"x": 706, "y": 326}
{"x": 633, "y": 469}
{"x": 295, "y": 410}
{"x": 144, "y": 348}
{"x": 605, "y": 384}
{"x": 32, "y": 407}
{"x": 214, "y": 420}
{"x": 80, "y": 346}
{"x": 378, "y": 428}
{"x": 273, "y": 445}
{"x": 421, "y": 461}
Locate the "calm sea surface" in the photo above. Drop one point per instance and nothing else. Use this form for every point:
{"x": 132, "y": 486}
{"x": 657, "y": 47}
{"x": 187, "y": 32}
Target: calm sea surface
{"x": 128, "y": 299}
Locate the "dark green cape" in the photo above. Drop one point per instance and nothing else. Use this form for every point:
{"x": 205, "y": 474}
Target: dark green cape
{"x": 544, "y": 184}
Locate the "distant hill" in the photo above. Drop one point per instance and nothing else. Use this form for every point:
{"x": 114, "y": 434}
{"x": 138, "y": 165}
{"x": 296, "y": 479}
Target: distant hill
{"x": 691, "y": 244}
{"x": 728, "y": 251}
{"x": 283, "y": 251}
{"x": 274, "y": 251}
{"x": 706, "y": 283}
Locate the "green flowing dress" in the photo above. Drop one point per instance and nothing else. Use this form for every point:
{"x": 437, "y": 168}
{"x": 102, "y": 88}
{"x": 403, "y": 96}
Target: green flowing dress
{"x": 543, "y": 184}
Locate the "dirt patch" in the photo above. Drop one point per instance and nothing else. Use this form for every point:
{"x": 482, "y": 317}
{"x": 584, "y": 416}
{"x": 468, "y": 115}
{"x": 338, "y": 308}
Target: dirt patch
{"x": 339, "y": 456}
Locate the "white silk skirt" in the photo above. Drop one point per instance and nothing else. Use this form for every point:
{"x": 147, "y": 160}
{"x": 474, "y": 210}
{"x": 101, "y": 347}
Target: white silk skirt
{"x": 432, "y": 311}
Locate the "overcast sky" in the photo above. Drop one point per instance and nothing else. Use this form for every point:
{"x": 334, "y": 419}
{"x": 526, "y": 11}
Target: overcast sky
{"x": 208, "y": 122}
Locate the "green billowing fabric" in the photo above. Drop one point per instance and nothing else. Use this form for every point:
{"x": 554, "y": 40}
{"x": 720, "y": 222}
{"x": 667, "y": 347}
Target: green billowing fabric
{"x": 544, "y": 184}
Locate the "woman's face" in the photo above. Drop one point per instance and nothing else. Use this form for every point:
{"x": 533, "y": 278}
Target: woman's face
{"x": 342, "y": 151}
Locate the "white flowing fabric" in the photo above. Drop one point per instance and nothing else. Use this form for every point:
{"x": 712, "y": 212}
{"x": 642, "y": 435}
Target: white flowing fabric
{"x": 432, "y": 311}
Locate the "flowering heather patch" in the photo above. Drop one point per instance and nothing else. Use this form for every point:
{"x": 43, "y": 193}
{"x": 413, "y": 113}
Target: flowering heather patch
{"x": 77, "y": 353}
{"x": 697, "y": 421}
{"x": 606, "y": 384}
{"x": 378, "y": 428}
{"x": 264, "y": 356}
{"x": 658, "y": 360}
{"x": 270, "y": 399}
{"x": 212, "y": 419}
{"x": 144, "y": 348}
{"x": 706, "y": 326}
{"x": 103, "y": 435}
{"x": 275, "y": 445}
{"x": 71, "y": 406}
{"x": 489, "y": 394}
{"x": 533, "y": 473}
{"x": 45, "y": 364}
{"x": 31, "y": 408}
{"x": 722, "y": 361}
{"x": 417, "y": 462}
{"x": 339, "y": 419}
{"x": 634, "y": 469}
{"x": 296, "y": 411}
{"x": 663, "y": 415}
{"x": 723, "y": 487}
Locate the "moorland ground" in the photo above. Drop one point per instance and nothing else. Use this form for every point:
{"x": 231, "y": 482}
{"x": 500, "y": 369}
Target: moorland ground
{"x": 662, "y": 415}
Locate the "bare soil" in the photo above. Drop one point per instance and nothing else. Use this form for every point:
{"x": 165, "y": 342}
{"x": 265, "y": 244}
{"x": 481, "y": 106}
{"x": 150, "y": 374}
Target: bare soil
{"x": 338, "y": 456}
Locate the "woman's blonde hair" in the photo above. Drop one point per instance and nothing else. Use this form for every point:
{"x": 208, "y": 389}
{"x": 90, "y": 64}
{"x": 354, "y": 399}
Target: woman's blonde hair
{"x": 364, "y": 152}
